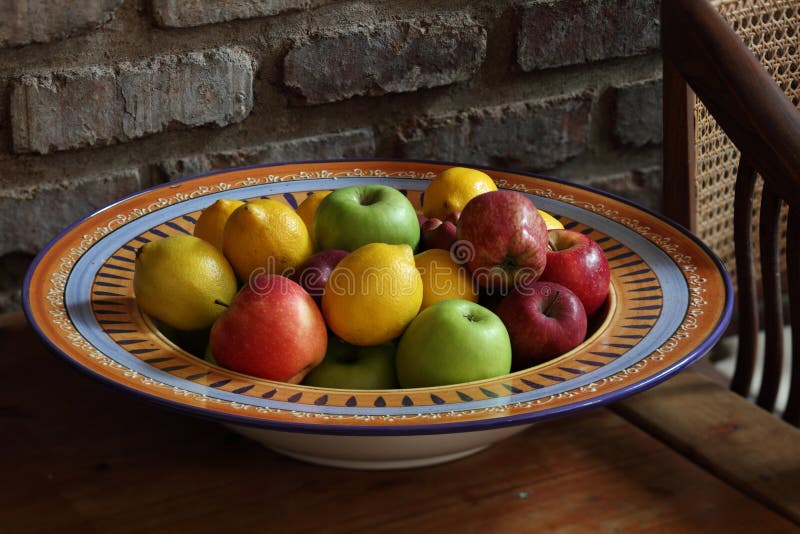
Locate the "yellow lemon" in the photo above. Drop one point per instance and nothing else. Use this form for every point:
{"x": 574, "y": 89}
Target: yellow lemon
{"x": 451, "y": 190}
{"x": 443, "y": 278}
{"x": 308, "y": 208}
{"x": 178, "y": 279}
{"x": 373, "y": 294}
{"x": 212, "y": 221}
{"x": 267, "y": 236}
{"x": 551, "y": 222}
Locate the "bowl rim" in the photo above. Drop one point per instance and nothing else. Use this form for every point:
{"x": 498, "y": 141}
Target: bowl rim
{"x": 626, "y": 390}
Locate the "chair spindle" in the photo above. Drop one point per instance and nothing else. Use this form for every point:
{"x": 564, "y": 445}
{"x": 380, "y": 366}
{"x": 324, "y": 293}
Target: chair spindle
{"x": 769, "y": 244}
{"x": 746, "y": 281}
{"x": 792, "y": 412}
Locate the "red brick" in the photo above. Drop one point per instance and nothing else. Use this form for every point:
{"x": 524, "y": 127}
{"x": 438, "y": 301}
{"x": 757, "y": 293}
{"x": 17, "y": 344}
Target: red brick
{"x": 534, "y": 134}
{"x": 347, "y": 144}
{"x": 41, "y": 21}
{"x": 31, "y": 216}
{"x": 391, "y": 57}
{"x": 637, "y": 113}
{"x": 94, "y": 106}
{"x": 180, "y": 14}
{"x": 556, "y": 33}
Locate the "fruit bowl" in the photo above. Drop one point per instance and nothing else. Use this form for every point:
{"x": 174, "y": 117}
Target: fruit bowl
{"x": 670, "y": 301}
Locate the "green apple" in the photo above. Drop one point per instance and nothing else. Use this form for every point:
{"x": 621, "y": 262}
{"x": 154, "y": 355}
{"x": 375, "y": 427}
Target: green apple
{"x": 347, "y": 366}
{"x": 451, "y": 342}
{"x": 360, "y": 214}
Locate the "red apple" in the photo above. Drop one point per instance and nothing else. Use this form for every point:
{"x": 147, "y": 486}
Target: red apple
{"x": 313, "y": 274}
{"x": 438, "y": 234}
{"x": 453, "y": 217}
{"x": 272, "y": 329}
{"x": 428, "y": 224}
{"x": 577, "y": 262}
{"x": 543, "y": 320}
{"x": 506, "y": 237}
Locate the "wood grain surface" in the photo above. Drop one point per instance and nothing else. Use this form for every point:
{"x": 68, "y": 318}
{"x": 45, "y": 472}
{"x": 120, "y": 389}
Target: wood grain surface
{"x": 731, "y": 437}
{"x": 78, "y": 456}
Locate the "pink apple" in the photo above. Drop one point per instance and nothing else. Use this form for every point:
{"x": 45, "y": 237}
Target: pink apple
{"x": 506, "y": 237}
{"x": 314, "y": 273}
{"x": 544, "y": 320}
{"x": 438, "y": 234}
{"x": 577, "y": 262}
{"x": 272, "y": 329}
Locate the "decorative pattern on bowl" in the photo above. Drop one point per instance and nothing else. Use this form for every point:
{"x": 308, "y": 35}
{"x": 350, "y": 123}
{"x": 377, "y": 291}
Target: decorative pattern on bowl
{"x": 671, "y": 300}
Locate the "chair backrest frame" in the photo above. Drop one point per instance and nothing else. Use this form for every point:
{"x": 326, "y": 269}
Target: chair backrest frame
{"x": 703, "y": 56}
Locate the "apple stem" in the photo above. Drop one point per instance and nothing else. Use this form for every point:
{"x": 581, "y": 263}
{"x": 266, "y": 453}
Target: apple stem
{"x": 550, "y": 305}
{"x": 219, "y": 302}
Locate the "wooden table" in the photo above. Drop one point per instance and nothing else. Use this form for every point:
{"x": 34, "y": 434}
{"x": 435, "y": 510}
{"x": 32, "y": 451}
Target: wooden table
{"x": 685, "y": 456}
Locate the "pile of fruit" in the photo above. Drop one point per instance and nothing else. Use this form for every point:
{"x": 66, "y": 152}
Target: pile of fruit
{"x": 332, "y": 294}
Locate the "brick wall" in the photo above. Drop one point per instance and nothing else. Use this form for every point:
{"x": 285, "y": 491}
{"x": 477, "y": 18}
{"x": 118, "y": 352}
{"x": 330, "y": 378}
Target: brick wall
{"x": 100, "y": 103}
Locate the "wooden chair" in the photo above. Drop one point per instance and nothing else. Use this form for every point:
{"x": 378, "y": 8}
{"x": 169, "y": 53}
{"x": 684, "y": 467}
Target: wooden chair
{"x": 714, "y": 183}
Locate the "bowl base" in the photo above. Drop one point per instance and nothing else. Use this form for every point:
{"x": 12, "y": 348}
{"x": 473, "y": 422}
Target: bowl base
{"x": 377, "y": 452}
{"x": 374, "y": 465}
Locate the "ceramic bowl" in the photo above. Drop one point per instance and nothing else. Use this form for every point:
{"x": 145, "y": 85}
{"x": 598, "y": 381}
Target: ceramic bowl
{"x": 671, "y": 300}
